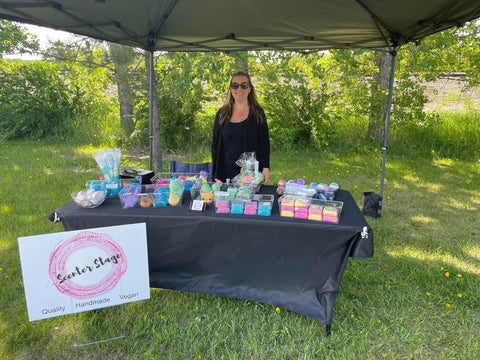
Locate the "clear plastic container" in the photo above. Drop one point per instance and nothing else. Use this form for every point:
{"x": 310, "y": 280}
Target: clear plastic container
{"x": 222, "y": 206}
{"x": 112, "y": 189}
{"x": 300, "y": 190}
{"x": 250, "y": 207}
{"x": 189, "y": 179}
{"x": 196, "y": 189}
{"x": 325, "y": 210}
{"x": 264, "y": 204}
{"x": 294, "y": 206}
{"x": 89, "y": 198}
{"x": 135, "y": 196}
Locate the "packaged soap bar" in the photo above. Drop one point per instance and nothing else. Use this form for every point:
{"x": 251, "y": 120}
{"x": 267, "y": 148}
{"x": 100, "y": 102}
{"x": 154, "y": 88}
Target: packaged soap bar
{"x": 264, "y": 208}
{"x": 237, "y": 207}
{"x": 222, "y": 206}
{"x": 250, "y": 208}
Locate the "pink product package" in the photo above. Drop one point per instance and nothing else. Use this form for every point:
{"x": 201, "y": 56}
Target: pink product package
{"x": 250, "y": 208}
{"x": 315, "y": 210}
{"x": 301, "y": 214}
{"x": 301, "y": 209}
{"x": 330, "y": 218}
{"x": 330, "y": 214}
{"x": 286, "y": 208}
{"x": 222, "y": 207}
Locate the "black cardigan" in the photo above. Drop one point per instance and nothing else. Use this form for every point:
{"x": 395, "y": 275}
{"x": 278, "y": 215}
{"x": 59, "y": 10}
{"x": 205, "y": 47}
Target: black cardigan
{"x": 256, "y": 139}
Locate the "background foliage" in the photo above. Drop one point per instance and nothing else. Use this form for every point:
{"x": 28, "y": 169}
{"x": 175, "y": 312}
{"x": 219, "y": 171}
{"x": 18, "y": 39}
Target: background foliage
{"x": 39, "y": 99}
{"x": 321, "y": 101}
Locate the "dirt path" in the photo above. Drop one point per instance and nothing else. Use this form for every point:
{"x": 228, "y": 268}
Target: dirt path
{"x": 452, "y": 94}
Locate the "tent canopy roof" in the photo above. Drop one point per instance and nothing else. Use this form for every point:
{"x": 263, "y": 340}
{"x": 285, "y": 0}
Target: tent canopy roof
{"x": 227, "y": 25}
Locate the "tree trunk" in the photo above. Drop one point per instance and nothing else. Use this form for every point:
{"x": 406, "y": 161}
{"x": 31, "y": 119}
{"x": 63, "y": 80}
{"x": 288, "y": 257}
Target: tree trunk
{"x": 379, "y": 97}
{"x": 122, "y": 57}
{"x": 156, "y": 150}
{"x": 241, "y": 60}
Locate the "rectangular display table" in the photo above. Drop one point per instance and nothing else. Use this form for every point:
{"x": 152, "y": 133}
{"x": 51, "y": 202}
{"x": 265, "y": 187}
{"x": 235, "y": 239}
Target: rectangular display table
{"x": 292, "y": 263}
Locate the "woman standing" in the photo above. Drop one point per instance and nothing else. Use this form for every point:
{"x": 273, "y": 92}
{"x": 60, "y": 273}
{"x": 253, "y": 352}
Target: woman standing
{"x": 240, "y": 126}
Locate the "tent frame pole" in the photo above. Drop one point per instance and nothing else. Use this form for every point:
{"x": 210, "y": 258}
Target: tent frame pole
{"x": 150, "y": 94}
{"x": 388, "y": 111}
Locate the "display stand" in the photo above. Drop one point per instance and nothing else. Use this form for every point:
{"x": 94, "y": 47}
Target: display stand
{"x": 108, "y": 315}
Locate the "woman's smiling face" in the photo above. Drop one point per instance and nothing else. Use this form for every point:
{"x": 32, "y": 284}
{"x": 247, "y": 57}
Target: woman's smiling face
{"x": 240, "y": 94}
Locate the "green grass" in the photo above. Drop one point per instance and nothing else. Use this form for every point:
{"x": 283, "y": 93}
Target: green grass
{"x": 392, "y": 306}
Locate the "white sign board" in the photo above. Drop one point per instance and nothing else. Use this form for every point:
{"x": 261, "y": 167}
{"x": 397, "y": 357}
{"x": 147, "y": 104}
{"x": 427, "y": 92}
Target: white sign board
{"x": 76, "y": 271}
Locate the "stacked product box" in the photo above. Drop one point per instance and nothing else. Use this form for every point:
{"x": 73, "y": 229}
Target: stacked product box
{"x": 222, "y": 206}
{"x": 256, "y": 204}
{"x": 287, "y": 206}
{"x": 250, "y": 208}
{"x": 237, "y": 206}
{"x": 315, "y": 212}
{"x": 301, "y": 208}
{"x": 325, "y": 210}
{"x": 312, "y": 209}
{"x": 294, "y": 206}
{"x": 264, "y": 204}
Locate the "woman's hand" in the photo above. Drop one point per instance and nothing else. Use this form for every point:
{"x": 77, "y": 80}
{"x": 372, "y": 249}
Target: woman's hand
{"x": 266, "y": 175}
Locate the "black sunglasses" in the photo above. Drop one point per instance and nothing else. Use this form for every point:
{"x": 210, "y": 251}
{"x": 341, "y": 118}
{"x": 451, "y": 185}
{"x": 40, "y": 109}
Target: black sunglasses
{"x": 243, "y": 85}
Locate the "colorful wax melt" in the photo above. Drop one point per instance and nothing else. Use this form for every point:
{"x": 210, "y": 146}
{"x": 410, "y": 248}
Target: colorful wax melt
{"x": 250, "y": 208}
{"x": 264, "y": 208}
{"x": 237, "y": 207}
{"x": 222, "y": 206}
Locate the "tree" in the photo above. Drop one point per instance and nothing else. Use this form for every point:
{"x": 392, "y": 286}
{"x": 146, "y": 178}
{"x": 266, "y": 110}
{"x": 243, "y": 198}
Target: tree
{"x": 241, "y": 60}
{"x": 456, "y": 50}
{"x": 118, "y": 60}
{"x": 123, "y": 56}
{"x": 15, "y": 39}
{"x": 292, "y": 88}
{"x": 379, "y": 94}
{"x": 155, "y": 143}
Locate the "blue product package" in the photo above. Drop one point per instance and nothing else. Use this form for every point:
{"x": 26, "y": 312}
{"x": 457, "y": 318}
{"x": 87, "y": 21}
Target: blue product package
{"x": 264, "y": 208}
{"x": 236, "y": 207}
{"x": 161, "y": 197}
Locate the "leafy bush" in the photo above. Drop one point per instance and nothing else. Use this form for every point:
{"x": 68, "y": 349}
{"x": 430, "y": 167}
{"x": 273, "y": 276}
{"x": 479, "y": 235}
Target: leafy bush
{"x": 295, "y": 100}
{"x": 37, "y": 100}
{"x": 34, "y": 101}
{"x": 177, "y": 122}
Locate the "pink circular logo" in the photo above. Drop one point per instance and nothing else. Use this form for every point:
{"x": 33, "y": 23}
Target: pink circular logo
{"x": 87, "y": 265}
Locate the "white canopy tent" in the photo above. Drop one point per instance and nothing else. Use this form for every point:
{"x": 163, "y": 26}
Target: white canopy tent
{"x": 243, "y": 25}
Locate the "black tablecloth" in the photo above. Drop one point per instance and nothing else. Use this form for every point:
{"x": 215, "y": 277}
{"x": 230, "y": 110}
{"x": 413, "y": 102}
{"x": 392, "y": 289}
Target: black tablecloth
{"x": 292, "y": 263}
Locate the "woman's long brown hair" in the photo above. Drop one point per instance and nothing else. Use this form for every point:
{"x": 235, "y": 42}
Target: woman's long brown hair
{"x": 255, "y": 108}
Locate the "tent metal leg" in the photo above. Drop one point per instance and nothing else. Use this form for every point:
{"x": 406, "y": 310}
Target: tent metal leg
{"x": 387, "y": 125}
{"x": 150, "y": 90}
{"x": 328, "y": 329}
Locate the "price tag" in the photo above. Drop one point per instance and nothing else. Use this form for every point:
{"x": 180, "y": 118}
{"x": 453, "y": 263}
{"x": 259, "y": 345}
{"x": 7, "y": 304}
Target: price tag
{"x": 198, "y": 205}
